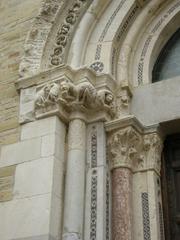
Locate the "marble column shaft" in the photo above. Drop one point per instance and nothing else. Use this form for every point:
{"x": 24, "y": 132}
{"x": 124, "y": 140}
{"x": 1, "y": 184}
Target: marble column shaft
{"x": 121, "y": 204}
{"x": 123, "y": 149}
{"x": 75, "y": 181}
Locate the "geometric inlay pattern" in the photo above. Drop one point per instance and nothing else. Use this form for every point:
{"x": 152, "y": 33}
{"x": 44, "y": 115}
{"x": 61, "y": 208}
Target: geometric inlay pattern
{"x": 145, "y": 213}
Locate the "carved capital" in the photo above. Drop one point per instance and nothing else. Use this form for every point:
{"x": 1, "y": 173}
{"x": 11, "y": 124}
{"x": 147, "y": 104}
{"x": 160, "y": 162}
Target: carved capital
{"x": 130, "y": 144}
{"x": 150, "y": 157}
{"x": 124, "y": 147}
{"x": 83, "y": 97}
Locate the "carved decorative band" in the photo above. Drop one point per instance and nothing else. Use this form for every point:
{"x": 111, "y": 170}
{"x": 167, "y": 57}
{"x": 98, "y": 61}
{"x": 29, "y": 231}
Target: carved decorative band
{"x": 93, "y": 223}
{"x": 94, "y": 182}
{"x": 146, "y": 218}
{"x": 94, "y": 150}
{"x": 82, "y": 96}
{"x": 66, "y": 29}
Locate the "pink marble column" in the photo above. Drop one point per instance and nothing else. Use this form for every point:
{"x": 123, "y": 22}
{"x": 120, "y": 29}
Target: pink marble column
{"x": 121, "y": 204}
{"x": 123, "y": 151}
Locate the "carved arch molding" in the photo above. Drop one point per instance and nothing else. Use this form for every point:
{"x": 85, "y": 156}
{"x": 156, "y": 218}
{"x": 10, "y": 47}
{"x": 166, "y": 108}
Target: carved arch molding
{"x": 85, "y": 32}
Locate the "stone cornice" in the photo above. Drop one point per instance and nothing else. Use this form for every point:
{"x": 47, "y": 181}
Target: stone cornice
{"x": 124, "y": 122}
{"x": 65, "y": 71}
{"x": 131, "y": 120}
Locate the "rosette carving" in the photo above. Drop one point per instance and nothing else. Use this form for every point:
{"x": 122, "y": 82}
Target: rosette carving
{"x": 64, "y": 32}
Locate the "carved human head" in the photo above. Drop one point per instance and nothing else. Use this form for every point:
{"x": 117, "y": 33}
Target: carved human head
{"x": 109, "y": 97}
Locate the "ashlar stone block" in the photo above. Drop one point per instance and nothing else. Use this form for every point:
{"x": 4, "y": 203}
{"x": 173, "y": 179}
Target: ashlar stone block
{"x": 6, "y": 183}
{"x": 20, "y": 152}
{"x": 41, "y": 128}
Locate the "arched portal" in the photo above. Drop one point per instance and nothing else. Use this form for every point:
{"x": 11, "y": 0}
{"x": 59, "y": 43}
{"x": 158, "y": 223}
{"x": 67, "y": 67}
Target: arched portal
{"x": 91, "y": 122}
{"x": 93, "y": 70}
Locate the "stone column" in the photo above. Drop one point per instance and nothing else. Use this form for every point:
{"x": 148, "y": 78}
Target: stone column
{"x": 123, "y": 144}
{"x": 148, "y": 216}
{"x": 75, "y": 181}
{"x": 121, "y": 204}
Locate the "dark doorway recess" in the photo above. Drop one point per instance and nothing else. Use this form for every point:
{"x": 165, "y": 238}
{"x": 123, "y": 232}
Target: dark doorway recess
{"x": 168, "y": 63}
{"x": 171, "y": 187}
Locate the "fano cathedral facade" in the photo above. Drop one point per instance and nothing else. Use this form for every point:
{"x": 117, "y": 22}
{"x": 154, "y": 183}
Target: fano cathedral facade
{"x": 90, "y": 120}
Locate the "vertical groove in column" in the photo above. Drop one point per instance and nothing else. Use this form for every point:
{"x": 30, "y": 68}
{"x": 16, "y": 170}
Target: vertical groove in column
{"x": 121, "y": 204}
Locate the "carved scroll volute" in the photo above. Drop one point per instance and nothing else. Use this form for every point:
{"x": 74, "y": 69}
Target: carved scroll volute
{"x": 123, "y": 147}
{"x": 152, "y": 149}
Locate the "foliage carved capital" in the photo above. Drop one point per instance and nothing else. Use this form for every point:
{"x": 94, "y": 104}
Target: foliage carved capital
{"x": 134, "y": 146}
{"x": 124, "y": 147}
{"x": 150, "y": 158}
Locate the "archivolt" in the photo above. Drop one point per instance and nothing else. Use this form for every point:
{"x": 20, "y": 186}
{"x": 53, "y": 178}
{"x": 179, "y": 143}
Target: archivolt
{"x": 108, "y": 36}
{"x": 60, "y": 22}
{"x": 37, "y": 36}
{"x": 145, "y": 39}
{"x": 52, "y": 30}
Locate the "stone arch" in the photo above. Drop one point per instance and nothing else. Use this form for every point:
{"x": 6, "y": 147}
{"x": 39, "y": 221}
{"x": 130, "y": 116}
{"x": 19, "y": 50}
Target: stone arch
{"x": 41, "y": 40}
{"x": 98, "y": 41}
{"x": 37, "y": 36}
{"x": 101, "y": 50}
{"x": 150, "y": 42}
{"x": 89, "y": 25}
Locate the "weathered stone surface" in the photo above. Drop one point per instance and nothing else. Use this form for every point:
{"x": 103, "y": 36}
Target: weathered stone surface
{"x": 6, "y": 183}
{"x": 15, "y": 21}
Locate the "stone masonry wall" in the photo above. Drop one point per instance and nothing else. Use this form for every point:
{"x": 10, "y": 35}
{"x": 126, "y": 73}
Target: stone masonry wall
{"x": 16, "y": 17}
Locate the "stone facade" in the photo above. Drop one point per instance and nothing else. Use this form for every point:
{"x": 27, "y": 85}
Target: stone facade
{"x": 81, "y": 123}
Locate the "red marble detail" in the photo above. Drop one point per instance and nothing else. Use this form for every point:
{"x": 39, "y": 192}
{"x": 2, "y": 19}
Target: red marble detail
{"x": 121, "y": 204}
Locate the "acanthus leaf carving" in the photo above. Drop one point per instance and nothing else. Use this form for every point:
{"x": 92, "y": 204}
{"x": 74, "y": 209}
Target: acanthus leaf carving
{"x": 140, "y": 152}
{"x": 152, "y": 151}
{"x": 124, "y": 147}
